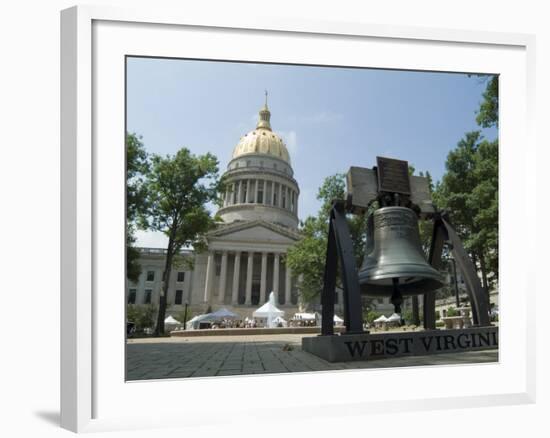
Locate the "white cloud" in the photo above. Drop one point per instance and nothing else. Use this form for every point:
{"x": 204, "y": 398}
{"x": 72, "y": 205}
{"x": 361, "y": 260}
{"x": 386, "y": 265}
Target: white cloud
{"x": 290, "y": 140}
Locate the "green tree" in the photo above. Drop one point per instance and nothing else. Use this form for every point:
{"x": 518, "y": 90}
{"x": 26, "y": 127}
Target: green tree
{"x": 488, "y": 110}
{"x": 178, "y": 189}
{"x": 469, "y": 193}
{"x": 142, "y": 316}
{"x": 137, "y": 166}
{"x": 307, "y": 257}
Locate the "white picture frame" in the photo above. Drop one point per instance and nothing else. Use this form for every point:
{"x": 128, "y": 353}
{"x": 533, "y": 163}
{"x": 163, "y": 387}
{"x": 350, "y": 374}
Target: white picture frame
{"x": 93, "y": 39}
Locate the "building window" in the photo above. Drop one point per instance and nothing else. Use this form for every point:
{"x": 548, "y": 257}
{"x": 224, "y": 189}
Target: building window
{"x": 147, "y": 298}
{"x": 275, "y": 166}
{"x": 247, "y": 163}
{"x": 132, "y": 296}
{"x": 181, "y": 277}
{"x": 150, "y": 275}
{"x": 179, "y": 297}
{"x": 275, "y": 190}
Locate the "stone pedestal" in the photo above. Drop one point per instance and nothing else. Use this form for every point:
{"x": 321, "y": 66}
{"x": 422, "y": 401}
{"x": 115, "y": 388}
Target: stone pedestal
{"x": 366, "y": 346}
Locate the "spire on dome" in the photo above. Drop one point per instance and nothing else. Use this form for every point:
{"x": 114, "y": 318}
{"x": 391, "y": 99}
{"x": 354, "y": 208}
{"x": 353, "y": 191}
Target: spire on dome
{"x": 265, "y": 115}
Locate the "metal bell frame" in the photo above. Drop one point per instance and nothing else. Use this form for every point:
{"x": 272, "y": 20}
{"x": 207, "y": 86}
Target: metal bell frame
{"x": 340, "y": 249}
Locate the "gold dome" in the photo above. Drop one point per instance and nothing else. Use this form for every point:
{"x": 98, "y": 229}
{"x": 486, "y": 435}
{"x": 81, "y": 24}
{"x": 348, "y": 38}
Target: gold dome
{"x": 262, "y": 140}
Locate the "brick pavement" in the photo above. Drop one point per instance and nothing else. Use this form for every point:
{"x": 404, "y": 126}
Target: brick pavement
{"x": 169, "y": 358}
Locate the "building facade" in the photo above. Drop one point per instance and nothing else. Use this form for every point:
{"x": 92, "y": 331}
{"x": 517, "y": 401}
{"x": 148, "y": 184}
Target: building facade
{"x": 246, "y": 256}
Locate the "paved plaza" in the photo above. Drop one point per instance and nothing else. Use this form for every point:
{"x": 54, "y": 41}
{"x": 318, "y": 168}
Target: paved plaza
{"x": 173, "y": 358}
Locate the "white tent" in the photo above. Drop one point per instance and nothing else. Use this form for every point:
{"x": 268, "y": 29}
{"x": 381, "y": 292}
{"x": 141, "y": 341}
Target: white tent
{"x": 381, "y": 319}
{"x": 394, "y": 317}
{"x": 269, "y": 311}
{"x": 171, "y": 320}
{"x": 304, "y": 316}
{"x": 193, "y": 323}
{"x": 280, "y": 320}
{"x": 338, "y": 320}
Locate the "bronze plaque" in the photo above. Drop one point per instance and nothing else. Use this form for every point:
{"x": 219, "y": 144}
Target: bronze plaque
{"x": 393, "y": 176}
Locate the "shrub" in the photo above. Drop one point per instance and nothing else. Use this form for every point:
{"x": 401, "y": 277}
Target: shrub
{"x": 451, "y": 311}
{"x": 142, "y": 316}
{"x": 372, "y": 315}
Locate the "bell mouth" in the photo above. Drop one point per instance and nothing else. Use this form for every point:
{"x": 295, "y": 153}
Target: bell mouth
{"x": 410, "y": 283}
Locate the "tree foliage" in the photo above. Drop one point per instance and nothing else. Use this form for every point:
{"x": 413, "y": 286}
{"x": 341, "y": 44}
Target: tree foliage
{"x": 137, "y": 166}
{"x": 487, "y": 115}
{"x": 307, "y": 257}
{"x": 178, "y": 188}
{"x": 469, "y": 193}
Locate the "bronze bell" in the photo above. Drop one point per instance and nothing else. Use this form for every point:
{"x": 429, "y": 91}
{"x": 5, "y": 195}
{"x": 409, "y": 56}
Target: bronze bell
{"x": 394, "y": 257}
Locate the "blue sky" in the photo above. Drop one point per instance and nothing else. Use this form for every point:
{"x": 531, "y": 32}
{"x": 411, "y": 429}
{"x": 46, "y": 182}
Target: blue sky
{"x": 330, "y": 118}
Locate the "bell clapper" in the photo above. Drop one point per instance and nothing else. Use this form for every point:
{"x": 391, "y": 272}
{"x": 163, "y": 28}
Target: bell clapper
{"x": 396, "y": 298}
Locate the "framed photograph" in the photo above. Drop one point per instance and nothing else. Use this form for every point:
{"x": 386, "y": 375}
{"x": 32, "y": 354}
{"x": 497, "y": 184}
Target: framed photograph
{"x": 199, "y": 160}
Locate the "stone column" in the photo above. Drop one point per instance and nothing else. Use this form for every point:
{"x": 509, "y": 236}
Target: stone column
{"x": 236, "y": 271}
{"x": 248, "y": 191}
{"x": 210, "y": 268}
{"x": 239, "y": 192}
{"x": 288, "y": 284}
{"x": 280, "y": 196}
{"x": 223, "y": 277}
{"x": 276, "y": 276}
{"x": 248, "y": 299}
{"x": 263, "y": 279}
{"x": 256, "y": 185}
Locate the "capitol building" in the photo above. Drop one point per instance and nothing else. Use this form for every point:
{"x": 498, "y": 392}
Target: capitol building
{"x": 246, "y": 256}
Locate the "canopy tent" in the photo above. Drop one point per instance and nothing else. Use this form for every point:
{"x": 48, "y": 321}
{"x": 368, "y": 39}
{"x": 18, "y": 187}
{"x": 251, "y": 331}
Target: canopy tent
{"x": 381, "y": 319}
{"x": 338, "y": 320}
{"x": 394, "y": 317}
{"x": 280, "y": 320}
{"x": 171, "y": 320}
{"x": 269, "y": 311}
{"x": 223, "y": 313}
{"x": 304, "y": 316}
{"x": 193, "y": 323}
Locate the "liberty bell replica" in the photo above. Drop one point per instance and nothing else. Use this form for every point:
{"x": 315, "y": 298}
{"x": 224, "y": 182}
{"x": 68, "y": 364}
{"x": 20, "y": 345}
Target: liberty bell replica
{"x": 394, "y": 263}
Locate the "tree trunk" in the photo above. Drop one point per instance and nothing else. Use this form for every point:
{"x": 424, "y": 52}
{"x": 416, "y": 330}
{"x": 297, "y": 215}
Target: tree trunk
{"x": 159, "y": 329}
{"x": 484, "y": 276}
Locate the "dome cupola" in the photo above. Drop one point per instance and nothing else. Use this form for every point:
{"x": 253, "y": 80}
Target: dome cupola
{"x": 260, "y": 178}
